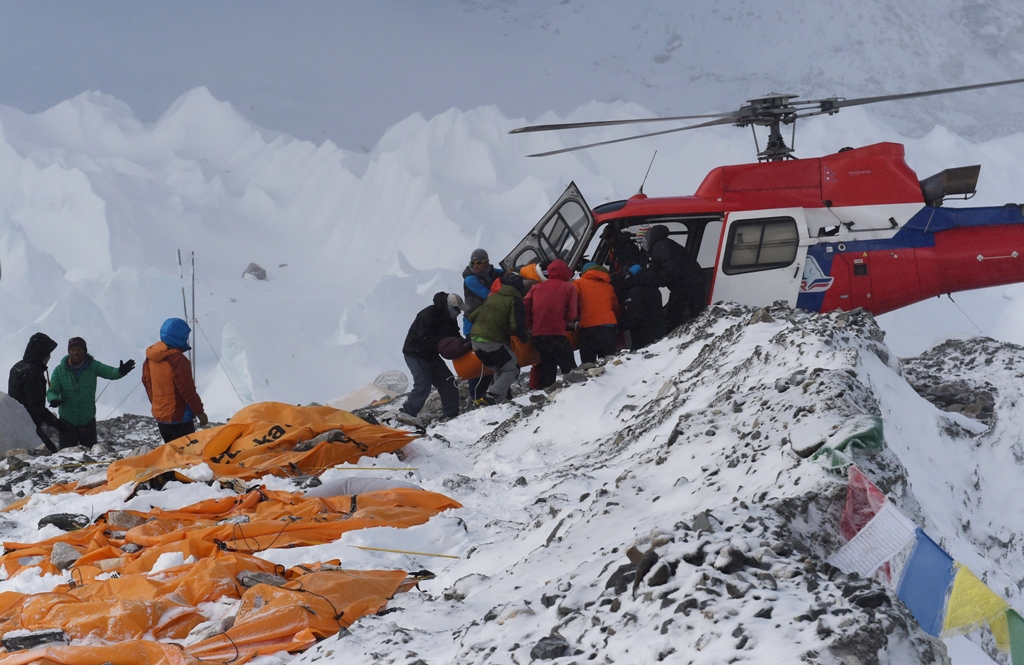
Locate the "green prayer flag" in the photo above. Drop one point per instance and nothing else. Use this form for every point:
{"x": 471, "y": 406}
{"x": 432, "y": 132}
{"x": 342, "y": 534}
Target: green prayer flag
{"x": 863, "y": 433}
{"x": 1016, "y": 637}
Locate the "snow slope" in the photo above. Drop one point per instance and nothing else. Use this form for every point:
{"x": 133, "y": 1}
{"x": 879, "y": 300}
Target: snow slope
{"x": 696, "y": 449}
{"x": 94, "y": 203}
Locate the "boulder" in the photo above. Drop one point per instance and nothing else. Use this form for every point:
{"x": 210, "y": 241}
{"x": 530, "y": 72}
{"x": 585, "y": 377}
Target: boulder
{"x": 63, "y": 555}
{"x": 16, "y": 427}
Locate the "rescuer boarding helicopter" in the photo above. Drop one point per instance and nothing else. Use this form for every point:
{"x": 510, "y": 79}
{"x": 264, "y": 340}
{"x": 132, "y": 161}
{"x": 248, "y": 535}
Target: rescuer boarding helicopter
{"x": 852, "y": 229}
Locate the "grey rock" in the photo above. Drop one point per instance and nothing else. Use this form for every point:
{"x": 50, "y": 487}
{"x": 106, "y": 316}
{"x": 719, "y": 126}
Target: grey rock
{"x": 575, "y": 376}
{"x": 549, "y": 648}
{"x": 248, "y": 578}
{"x": 130, "y": 548}
{"x": 36, "y": 639}
{"x": 622, "y": 577}
{"x": 125, "y": 521}
{"x": 65, "y": 521}
{"x": 63, "y": 555}
{"x": 761, "y": 316}
{"x": 661, "y": 575}
{"x": 737, "y": 589}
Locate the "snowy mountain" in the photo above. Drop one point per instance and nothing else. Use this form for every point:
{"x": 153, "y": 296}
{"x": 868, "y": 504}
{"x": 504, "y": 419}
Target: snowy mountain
{"x": 693, "y": 460}
{"x": 95, "y": 203}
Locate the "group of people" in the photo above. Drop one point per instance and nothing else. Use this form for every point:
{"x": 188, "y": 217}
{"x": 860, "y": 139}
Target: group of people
{"x": 71, "y": 389}
{"x": 545, "y": 305}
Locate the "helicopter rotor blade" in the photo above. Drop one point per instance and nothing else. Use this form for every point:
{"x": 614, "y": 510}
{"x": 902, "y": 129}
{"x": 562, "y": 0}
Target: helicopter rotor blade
{"x": 611, "y": 123}
{"x": 720, "y": 121}
{"x": 828, "y": 105}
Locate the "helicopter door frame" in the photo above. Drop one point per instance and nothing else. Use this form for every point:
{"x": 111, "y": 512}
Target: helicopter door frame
{"x": 761, "y": 257}
{"x": 569, "y": 220}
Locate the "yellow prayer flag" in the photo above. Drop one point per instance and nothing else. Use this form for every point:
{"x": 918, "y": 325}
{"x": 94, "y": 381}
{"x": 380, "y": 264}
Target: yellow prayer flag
{"x": 972, "y": 604}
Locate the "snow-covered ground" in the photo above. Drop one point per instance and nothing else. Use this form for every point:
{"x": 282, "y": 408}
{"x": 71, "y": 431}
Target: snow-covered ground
{"x": 691, "y": 447}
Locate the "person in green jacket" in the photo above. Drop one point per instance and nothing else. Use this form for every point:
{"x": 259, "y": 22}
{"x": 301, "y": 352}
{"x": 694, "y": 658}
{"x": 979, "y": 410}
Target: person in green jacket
{"x": 494, "y": 322}
{"x": 73, "y": 392}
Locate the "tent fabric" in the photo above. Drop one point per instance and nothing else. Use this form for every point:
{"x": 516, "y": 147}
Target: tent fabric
{"x": 252, "y": 522}
{"x": 260, "y": 439}
{"x": 863, "y": 501}
{"x": 470, "y": 367}
{"x": 926, "y": 581}
{"x": 126, "y": 653}
{"x": 972, "y": 604}
{"x": 863, "y": 433}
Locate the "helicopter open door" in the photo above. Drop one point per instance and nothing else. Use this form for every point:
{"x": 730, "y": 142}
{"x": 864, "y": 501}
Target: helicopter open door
{"x": 562, "y": 233}
{"x": 761, "y": 257}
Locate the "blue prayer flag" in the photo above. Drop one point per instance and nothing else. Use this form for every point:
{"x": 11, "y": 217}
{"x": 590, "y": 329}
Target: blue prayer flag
{"x": 926, "y": 581}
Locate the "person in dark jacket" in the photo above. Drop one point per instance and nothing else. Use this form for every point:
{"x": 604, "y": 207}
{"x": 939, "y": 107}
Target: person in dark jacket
{"x": 551, "y": 308}
{"x": 73, "y": 389}
{"x": 27, "y": 385}
{"x": 670, "y": 265}
{"x": 501, "y": 316}
{"x": 477, "y": 280}
{"x": 431, "y": 325}
{"x": 642, "y": 316}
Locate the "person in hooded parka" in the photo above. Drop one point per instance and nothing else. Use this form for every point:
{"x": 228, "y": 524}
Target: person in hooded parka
{"x": 670, "y": 265}
{"x": 551, "y": 308}
{"x": 430, "y": 326}
{"x": 28, "y": 382}
{"x": 167, "y": 377}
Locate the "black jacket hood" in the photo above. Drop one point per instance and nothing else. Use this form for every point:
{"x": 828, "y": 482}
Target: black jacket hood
{"x": 39, "y": 347}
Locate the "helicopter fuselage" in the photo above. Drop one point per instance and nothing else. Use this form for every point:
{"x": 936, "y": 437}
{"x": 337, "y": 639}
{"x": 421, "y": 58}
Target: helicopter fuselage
{"x": 847, "y": 230}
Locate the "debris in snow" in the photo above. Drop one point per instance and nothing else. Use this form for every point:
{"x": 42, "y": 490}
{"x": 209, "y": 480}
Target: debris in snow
{"x": 253, "y": 271}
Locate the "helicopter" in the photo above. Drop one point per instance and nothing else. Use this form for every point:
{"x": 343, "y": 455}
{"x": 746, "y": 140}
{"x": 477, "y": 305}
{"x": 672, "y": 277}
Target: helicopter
{"x": 857, "y": 228}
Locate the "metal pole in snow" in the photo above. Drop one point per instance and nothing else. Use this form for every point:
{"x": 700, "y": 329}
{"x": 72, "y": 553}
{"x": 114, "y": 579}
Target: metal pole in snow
{"x": 192, "y": 352}
{"x": 181, "y": 276}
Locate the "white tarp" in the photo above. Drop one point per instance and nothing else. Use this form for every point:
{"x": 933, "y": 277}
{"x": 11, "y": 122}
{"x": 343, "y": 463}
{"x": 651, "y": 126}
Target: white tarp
{"x": 882, "y": 538}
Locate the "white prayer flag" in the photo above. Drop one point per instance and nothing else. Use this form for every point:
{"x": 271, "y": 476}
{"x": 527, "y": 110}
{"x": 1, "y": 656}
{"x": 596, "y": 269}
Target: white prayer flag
{"x": 881, "y": 539}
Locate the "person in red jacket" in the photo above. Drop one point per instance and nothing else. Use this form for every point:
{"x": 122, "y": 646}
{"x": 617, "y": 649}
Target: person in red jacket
{"x": 167, "y": 376}
{"x": 550, "y": 311}
{"x": 599, "y": 313}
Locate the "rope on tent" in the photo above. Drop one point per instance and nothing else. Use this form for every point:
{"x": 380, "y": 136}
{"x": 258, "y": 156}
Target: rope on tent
{"x": 384, "y": 549}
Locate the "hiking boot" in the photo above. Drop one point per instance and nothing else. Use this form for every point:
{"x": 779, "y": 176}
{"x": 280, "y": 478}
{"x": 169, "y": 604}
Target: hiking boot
{"x": 444, "y": 419}
{"x": 407, "y": 419}
{"x": 486, "y": 400}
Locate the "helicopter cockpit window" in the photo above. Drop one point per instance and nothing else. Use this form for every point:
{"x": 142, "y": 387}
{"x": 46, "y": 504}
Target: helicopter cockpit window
{"x": 561, "y": 233}
{"x": 525, "y": 258}
{"x": 762, "y": 244}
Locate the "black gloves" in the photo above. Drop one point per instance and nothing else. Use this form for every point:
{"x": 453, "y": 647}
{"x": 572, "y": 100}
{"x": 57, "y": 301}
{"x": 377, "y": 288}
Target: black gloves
{"x": 54, "y": 403}
{"x": 126, "y": 366}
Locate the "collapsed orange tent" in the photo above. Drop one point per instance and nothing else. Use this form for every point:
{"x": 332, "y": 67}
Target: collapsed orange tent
{"x": 134, "y": 603}
{"x": 257, "y": 520}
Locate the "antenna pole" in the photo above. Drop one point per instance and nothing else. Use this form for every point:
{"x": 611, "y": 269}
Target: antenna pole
{"x": 192, "y": 351}
{"x": 181, "y": 276}
{"x": 648, "y": 173}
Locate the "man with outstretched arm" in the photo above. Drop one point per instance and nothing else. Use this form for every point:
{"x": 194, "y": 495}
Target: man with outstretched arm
{"x": 73, "y": 392}
{"x": 167, "y": 376}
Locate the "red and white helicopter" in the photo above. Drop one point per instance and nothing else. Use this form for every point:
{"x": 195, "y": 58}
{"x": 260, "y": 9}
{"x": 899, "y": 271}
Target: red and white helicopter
{"x": 852, "y": 229}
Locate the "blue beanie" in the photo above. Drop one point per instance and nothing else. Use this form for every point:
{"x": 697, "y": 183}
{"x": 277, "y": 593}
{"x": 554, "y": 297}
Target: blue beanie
{"x": 174, "y": 333}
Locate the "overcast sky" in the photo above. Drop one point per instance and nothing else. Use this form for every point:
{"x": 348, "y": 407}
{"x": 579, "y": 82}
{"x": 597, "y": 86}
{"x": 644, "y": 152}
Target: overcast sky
{"x": 347, "y": 70}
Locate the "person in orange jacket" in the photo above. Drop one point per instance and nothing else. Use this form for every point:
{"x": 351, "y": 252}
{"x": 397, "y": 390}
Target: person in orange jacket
{"x": 599, "y": 313}
{"x": 167, "y": 376}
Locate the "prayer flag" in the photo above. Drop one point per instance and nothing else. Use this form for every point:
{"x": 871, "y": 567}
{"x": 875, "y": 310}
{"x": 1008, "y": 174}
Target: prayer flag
{"x": 972, "y": 604}
{"x": 926, "y": 580}
{"x": 863, "y": 501}
{"x": 887, "y": 533}
{"x": 1016, "y": 630}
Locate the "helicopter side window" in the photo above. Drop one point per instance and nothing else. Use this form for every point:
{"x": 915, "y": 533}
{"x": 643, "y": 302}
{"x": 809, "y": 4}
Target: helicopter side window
{"x": 763, "y": 244}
